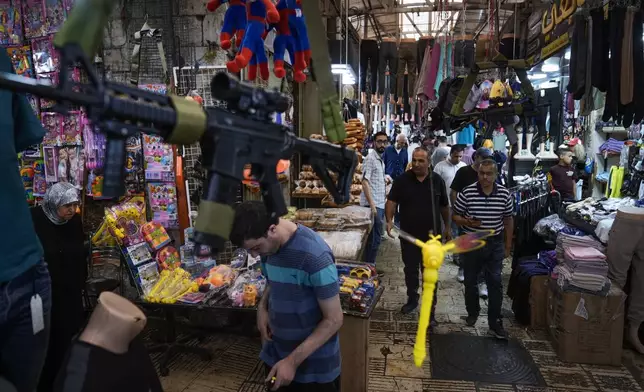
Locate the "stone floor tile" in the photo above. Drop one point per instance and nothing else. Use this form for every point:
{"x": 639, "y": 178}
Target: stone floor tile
{"x": 407, "y": 368}
{"x": 386, "y": 326}
{"x": 395, "y": 384}
{"x": 430, "y": 385}
{"x": 615, "y": 380}
{"x": 483, "y": 387}
{"x": 567, "y": 378}
{"x": 377, "y": 367}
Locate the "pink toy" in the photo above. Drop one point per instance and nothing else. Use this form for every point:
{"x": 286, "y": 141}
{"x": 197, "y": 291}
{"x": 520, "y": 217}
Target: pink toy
{"x": 159, "y": 159}
{"x": 33, "y": 12}
{"x": 45, "y": 57}
{"x": 55, "y": 13}
{"x": 52, "y": 122}
{"x": 163, "y": 203}
{"x": 72, "y": 128}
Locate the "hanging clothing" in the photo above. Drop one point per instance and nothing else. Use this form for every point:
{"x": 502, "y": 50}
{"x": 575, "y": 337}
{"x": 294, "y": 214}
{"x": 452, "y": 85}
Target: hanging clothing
{"x": 613, "y": 108}
{"x": 440, "y": 75}
{"x": 601, "y": 46}
{"x": 626, "y": 75}
{"x": 615, "y": 181}
{"x": 432, "y": 75}
{"x": 466, "y": 135}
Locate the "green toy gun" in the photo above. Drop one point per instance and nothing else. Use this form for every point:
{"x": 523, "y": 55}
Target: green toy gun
{"x": 231, "y": 138}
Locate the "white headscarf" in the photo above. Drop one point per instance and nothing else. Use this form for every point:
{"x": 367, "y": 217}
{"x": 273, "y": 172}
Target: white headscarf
{"x": 58, "y": 195}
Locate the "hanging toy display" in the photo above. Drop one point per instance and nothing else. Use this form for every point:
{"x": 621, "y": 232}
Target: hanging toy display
{"x": 55, "y": 13}
{"x": 168, "y": 258}
{"x": 125, "y": 221}
{"x": 45, "y": 56}
{"x": 72, "y": 128}
{"x": 52, "y": 122}
{"x": 234, "y": 21}
{"x": 51, "y": 164}
{"x": 11, "y": 26}
{"x": 155, "y": 235}
{"x": 163, "y": 203}
{"x": 297, "y": 23}
{"x": 40, "y": 182}
{"x": 158, "y": 156}
{"x": 258, "y": 13}
{"x": 27, "y": 174}
{"x": 49, "y": 79}
{"x": 283, "y": 43}
{"x": 34, "y": 18}
{"x": 21, "y": 59}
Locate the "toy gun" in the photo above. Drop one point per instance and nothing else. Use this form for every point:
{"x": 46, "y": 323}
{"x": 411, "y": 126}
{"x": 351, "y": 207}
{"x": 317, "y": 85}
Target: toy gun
{"x": 243, "y": 134}
{"x": 433, "y": 256}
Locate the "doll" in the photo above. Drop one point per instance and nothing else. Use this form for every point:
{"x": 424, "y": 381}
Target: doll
{"x": 258, "y": 13}
{"x": 234, "y": 21}
{"x": 62, "y": 165}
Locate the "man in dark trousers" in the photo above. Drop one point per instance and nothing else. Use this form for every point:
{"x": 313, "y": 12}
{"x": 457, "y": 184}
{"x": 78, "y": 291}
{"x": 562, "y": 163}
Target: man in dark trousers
{"x": 486, "y": 205}
{"x": 465, "y": 177}
{"x": 421, "y": 195}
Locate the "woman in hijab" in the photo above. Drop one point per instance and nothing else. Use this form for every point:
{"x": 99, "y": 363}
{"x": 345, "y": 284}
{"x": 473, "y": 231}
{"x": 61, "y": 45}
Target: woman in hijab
{"x": 61, "y": 234}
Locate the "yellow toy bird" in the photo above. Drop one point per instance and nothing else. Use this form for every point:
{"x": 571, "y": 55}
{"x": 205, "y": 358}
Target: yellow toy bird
{"x": 433, "y": 256}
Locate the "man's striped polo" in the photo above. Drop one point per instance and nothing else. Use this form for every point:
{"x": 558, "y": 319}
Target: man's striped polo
{"x": 489, "y": 209}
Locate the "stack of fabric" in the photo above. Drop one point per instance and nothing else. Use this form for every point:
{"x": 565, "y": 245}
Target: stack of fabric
{"x": 566, "y": 240}
{"x": 611, "y": 146}
{"x": 584, "y": 269}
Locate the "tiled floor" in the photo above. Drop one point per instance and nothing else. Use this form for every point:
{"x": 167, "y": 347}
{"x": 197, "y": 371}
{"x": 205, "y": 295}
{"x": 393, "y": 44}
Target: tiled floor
{"x": 235, "y": 366}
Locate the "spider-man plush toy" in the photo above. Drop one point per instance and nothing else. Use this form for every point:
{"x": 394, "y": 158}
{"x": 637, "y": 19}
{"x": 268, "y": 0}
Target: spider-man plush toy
{"x": 258, "y": 12}
{"x": 298, "y": 29}
{"x": 234, "y": 21}
{"x": 283, "y": 43}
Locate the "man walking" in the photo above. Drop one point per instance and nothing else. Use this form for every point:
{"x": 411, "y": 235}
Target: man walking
{"x": 466, "y": 176}
{"x": 421, "y": 196}
{"x": 486, "y": 205}
{"x": 373, "y": 194}
{"x": 299, "y": 315}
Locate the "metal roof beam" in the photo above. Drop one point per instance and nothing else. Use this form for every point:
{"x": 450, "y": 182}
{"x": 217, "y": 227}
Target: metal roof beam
{"x": 404, "y": 9}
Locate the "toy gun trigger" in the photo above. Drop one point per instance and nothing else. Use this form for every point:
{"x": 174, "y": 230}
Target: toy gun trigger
{"x": 271, "y": 188}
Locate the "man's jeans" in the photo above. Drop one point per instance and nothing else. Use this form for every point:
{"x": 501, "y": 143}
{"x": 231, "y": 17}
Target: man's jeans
{"x": 375, "y": 237}
{"x": 488, "y": 260}
{"x": 22, "y": 354}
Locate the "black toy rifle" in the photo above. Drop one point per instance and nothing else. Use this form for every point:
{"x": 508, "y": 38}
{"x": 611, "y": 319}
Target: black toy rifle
{"x": 243, "y": 134}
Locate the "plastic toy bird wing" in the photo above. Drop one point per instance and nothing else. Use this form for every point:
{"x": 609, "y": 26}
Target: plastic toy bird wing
{"x": 433, "y": 256}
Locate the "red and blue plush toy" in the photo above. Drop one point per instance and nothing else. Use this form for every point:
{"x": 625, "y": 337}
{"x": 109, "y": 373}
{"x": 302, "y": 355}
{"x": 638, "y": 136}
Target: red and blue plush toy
{"x": 258, "y": 13}
{"x": 234, "y": 21}
{"x": 298, "y": 29}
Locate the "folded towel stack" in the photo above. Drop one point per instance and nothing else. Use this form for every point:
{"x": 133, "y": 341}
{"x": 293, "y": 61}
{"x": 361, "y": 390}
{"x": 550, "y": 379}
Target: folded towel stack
{"x": 584, "y": 268}
{"x": 567, "y": 240}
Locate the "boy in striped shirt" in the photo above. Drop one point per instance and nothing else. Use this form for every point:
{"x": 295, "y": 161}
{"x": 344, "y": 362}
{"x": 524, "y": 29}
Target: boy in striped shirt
{"x": 299, "y": 315}
{"x": 486, "y": 205}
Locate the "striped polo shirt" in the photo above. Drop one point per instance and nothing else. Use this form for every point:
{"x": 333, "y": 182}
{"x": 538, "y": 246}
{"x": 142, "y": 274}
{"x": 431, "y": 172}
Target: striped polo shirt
{"x": 489, "y": 209}
{"x": 302, "y": 272}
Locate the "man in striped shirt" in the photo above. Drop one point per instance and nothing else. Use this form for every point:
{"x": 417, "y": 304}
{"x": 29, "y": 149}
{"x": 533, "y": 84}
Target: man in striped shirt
{"x": 486, "y": 205}
{"x": 299, "y": 315}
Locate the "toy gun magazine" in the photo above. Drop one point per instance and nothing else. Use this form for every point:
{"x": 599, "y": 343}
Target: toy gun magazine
{"x": 231, "y": 138}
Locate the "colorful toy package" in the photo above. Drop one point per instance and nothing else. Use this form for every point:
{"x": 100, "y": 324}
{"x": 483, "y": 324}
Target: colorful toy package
{"x": 50, "y": 164}
{"x": 10, "y": 24}
{"x": 55, "y": 12}
{"x": 125, "y": 221}
{"x": 146, "y": 276}
{"x": 138, "y": 254}
{"x": 72, "y": 128}
{"x": 159, "y": 159}
{"x": 40, "y": 181}
{"x": 155, "y": 235}
{"x": 163, "y": 203}
{"x": 168, "y": 258}
{"x": 45, "y": 56}
{"x": 21, "y": 60}
{"x": 33, "y": 12}
{"x": 52, "y": 122}
{"x": 155, "y": 88}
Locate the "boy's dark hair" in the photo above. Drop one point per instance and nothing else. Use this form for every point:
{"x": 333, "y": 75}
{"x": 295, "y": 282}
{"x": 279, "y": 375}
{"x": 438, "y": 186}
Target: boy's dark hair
{"x": 252, "y": 221}
{"x": 380, "y": 133}
{"x": 456, "y": 148}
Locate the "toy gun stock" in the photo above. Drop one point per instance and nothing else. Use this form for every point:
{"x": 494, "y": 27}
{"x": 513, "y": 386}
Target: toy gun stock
{"x": 244, "y": 134}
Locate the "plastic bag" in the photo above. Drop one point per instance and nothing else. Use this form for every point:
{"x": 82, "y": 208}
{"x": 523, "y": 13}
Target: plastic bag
{"x": 220, "y": 275}
{"x": 549, "y": 225}
{"x": 345, "y": 245}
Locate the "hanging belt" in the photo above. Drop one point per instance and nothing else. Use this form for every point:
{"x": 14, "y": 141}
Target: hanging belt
{"x": 135, "y": 67}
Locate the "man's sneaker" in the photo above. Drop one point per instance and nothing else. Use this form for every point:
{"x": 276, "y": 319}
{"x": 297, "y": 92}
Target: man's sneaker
{"x": 483, "y": 290}
{"x": 461, "y": 275}
{"x": 498, "y": 331}
{"x": 470, "y": 320}
{"x": 410, "y": 306}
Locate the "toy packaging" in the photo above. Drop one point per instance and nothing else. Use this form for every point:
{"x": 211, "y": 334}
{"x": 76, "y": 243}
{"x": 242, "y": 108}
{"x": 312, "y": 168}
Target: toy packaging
{"x": 168, "y": 258}
{"x": 138, "y": 254}
{"x": 40, "y": 181}
{"x": 125, "y": 220}
{"x": 163, "y": 203}
{"x": 72, "y": 128}
{"x": 21, "y": 60}
{"x": 34, "y": 102}
{"x": 52, "y": 122}
{"x": 11, "y": 27}
{"x": 159, "y": 159}
{"x": 171, "y": 286}
{"x": 75, "y": 165}
{"x": 45, "y": 56}
{"x": 155, "y": 88}
{"x": 69, "y": 4}
{"x": 33, "y": 12}
{"x": 32, "y": 152}
{"x": 155, "y": 235}
{"x": 55, "y": 13}
{"x": 147, "y": 275}
{"x": 50, "y": 164}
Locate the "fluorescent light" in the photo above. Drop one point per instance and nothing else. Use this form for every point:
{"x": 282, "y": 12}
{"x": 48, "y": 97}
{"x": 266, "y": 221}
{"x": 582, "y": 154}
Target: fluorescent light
{"x": 348, "y": 80}
{"x": 537, "y": 76}
{"x": 347, "y": 74}
{"x": 567, "y": 54}
{"x": 550, "y": 68}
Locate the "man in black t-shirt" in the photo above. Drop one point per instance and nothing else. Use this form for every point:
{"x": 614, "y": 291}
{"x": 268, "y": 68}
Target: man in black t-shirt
{"x": 465, "y": 177}
{"x": 419, "y": 215}
{"x": 563, "y": 176}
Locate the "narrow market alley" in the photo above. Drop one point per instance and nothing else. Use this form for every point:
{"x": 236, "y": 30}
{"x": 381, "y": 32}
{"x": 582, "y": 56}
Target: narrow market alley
{"x": 236, "y": 366}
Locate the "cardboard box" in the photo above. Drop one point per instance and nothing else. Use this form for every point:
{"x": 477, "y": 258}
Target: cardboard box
{"x": 586, "y": 328}
{"x": 539, "y": 301}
